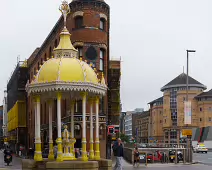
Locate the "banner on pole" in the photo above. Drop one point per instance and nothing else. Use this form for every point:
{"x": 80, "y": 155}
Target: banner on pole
{"x": 187, "y": 112}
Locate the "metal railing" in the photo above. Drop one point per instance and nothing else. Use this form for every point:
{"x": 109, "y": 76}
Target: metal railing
{"x": 160, "y": 155}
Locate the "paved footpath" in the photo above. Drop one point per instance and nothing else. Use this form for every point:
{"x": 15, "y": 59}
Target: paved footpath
{"x": 16, "y": 163}
{"x": 127, "y": 166}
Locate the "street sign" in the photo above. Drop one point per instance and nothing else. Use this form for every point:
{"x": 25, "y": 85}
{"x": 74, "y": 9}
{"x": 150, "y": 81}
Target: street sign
{"x": 186, "y": 132}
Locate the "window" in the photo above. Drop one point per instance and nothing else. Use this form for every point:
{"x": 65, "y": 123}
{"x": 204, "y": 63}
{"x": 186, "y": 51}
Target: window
{"x": 80, "y": 51}
{"x": 50, "y": 52}
{"x": 78, "y": 22}
{"x": 41, "y": 61}
{"x": 200, "y": 109}
{"x": 38, "y": 65}
{"x": 101, "y": 60}
{"x": 102, "y": 24}
{"x": 200, "y": 119}
{"x": 55, "y": 43}
{"x": 209, "y": 119}
{"x": 45, "y": 58}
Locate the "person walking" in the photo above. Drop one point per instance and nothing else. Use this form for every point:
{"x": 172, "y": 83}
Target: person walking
{"x": 118, "y": 152}
{"x": 136, "y": 157}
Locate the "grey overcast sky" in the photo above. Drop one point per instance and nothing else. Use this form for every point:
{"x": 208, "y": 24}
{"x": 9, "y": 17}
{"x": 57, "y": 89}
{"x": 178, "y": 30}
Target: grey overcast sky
{"x": 151, "y": 36}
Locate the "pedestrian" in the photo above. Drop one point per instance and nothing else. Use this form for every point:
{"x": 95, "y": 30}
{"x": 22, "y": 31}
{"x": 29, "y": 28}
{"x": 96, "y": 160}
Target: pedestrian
{"x": 136, "y": 156}
{"x": 118, "y": 152}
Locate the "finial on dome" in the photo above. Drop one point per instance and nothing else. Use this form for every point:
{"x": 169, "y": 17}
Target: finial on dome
{"x": 65, "y": 10}
{"x": 80, "y": 58}
{"x": 91, "y": 64}
{"x": 94, "y": 69}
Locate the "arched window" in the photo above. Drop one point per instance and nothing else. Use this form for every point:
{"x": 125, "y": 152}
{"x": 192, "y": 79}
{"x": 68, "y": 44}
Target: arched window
{"x": 78, "y": 22}
{"x": 55, "y": 43}
{"x": 45, "y": 58}
{"x": 101, "y": 60}
{"x": 38, "y": 65}
{"x": 80, "y": 51}
{"x": 102, "y": 23}
{"x": 50, "y": 52}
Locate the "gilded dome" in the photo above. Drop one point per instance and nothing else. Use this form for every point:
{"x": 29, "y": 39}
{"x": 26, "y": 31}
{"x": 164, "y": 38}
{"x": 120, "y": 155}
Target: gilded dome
{"x": 66, "y": 70}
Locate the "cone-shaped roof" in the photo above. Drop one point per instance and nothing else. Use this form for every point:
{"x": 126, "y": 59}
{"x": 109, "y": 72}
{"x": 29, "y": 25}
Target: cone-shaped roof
{"x": 180, "y": 81}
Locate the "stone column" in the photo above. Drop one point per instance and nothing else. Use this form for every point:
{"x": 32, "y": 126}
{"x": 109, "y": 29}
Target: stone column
{"x": 38, "y": 153}
{"x": 97, "y": 150}
{"x": 59, "y": 138}
{"x": 91, "y": 154}
{"x": 84, "y": 152}
{"x": 51, "y": 153}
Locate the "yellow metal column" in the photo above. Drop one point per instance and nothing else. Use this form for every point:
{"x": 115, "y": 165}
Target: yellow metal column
{"x": 38, "y": 153}
{"x": 97, "y": 151}
{"x": 84, "y": 142}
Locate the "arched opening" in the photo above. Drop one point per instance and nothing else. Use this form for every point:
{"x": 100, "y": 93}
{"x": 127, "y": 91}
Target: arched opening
{"x": 101, "y": 59}
{"x": 50, "y": 52}
{"x": 102, "y": 23}
{"x": 78, "y": 22}
{"x": 55, "y": 43}
{"x": 54, "y": 135}
{"x": 78, "y": 135}
{"x": 80, "y": 51}
{"x": 45, "y": 139}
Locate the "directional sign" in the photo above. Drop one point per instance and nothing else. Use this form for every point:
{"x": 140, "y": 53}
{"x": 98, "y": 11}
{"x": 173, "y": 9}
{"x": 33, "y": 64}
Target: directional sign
{"x": 186, "y": 132}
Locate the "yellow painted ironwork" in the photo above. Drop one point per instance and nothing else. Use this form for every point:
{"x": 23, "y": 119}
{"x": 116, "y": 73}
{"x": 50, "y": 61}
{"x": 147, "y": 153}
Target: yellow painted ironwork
{"x": 97, "y": 151}
{"x": 84, "y": 152}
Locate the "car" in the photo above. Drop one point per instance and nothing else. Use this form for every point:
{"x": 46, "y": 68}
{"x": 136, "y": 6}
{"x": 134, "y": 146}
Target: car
{"x": 200, "y": 148}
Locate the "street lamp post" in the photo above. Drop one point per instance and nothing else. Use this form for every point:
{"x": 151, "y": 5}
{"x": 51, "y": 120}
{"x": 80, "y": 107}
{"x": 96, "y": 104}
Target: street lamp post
{"x": 189, "y": 139}
{"x": 188, "y": 51}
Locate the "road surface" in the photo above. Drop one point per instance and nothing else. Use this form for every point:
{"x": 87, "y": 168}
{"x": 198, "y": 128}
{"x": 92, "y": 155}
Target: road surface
{"x": 16, "y": 163}
{"x": 203, "y": 158}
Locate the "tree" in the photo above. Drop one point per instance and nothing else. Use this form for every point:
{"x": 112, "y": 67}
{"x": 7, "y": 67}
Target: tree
{"x": 124, "y": 138}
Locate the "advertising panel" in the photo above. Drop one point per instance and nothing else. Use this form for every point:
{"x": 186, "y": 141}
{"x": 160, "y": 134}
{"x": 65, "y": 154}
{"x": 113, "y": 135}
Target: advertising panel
{"x": 187, "y": 112}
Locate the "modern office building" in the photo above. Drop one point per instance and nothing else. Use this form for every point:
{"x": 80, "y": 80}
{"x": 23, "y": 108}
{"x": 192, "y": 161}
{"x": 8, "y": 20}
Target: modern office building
{"x": 167, "y": 112}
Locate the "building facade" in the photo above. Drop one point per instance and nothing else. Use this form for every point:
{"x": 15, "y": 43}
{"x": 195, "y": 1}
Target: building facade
{"x": 156, "y": 121}
{"x": 1, "y": 125}
{"x": 142, "y": 126}
{"x": 4, "y": 127}
{"x": 128, "y": 125}
{"x": 122, "y": 122}
{"x": 167, "y": 112}
{"x": 16, "y": 106}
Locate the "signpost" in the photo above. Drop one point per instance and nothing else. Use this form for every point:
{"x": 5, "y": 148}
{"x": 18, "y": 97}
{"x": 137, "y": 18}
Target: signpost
{"x": 186, "y": 132}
